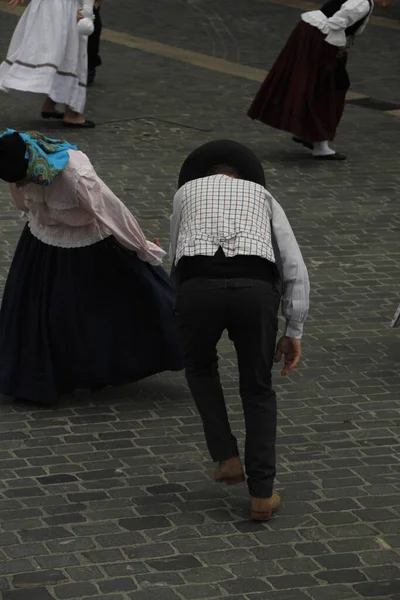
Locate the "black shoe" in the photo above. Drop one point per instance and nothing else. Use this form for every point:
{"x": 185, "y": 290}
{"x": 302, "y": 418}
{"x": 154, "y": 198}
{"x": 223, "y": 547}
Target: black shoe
{"x": 307, "y": 145}
{"x": 336, "y": 156}
{"x": 91, "y": 76}
{"x": 52, "y": 115}
{"x": 84, "y": 125}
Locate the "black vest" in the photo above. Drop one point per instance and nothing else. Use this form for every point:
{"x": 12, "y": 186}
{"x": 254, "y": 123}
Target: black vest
{"x": 332, "y": 6}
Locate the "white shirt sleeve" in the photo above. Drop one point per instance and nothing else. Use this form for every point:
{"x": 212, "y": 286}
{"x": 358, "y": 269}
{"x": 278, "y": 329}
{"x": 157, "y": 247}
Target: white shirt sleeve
{"x": 289, "y": 260}
{"x": 335, "y": 27}
{"x": 175, "y": 220}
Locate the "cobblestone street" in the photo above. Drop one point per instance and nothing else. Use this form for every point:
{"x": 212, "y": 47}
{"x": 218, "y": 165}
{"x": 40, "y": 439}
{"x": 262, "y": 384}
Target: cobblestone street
{"x": 111, "y": 497}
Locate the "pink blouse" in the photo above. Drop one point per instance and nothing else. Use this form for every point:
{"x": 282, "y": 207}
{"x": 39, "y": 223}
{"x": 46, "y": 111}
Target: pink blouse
{"x": 78, "y": 209}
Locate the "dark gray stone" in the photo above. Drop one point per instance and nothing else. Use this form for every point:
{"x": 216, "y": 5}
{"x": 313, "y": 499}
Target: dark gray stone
{"x": 103, "y": 556}
{"x": 149, "y": 551}
{"x": 292, "y": 581}
{"x": 123, "y": 584}
{"x": 75, "y": 590}
{"x": 341, "y": 576}
{"x": 245, "y": 585}
{"x": 43, "y": 577}
{"x": 383, "y": 573}
{"x": 167, "y": 594}
{"x": 15, "y": 566}
{"x": 44, "y": 534}
{"x": 31, "y": 594}
{"x": 207, "y": 575}
{"x": 178, "y": 563}
{"x": 167, "y": 579}
{"x": 338, "y": 561}
{"x": 65, "y": 519}
{"x": 192, "y": 592}
{"x": 26, "y": 492}
{"x": 143, "y": 523}
{"x": 56, "y": 479}
{"x": 375, "y": 589}
{"x": 87, "y": 573}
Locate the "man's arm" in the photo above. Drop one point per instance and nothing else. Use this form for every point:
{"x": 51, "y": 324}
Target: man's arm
{"x": 296, "y": 286}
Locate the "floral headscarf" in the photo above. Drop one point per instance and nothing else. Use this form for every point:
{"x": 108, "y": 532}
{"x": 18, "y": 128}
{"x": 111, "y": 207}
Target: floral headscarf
{"x": 46, "y": 157}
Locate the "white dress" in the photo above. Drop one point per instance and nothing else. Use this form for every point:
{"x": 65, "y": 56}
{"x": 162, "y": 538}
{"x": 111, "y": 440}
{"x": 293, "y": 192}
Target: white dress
{"x": 47, "y": 55}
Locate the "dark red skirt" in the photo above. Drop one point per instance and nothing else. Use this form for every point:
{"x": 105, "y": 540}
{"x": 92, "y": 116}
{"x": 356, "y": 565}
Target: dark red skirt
{"x": 304, "y": 92}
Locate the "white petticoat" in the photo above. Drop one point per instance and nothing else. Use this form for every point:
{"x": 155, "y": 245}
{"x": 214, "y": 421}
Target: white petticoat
{"x": 47, "y": 55}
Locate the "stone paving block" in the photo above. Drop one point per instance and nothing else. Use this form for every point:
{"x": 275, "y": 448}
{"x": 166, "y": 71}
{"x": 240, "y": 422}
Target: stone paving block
{"x": 31, "y": 594}
{"x": 341, "y": 576}
{"x": 43, "y": 577}
{"x": 282, "y": 595}
{"x": 246, "y": 585}
{"x": 123, "y": 584}
{"x": 293, "y": 581}
{"x": 332, "y": 592}
{"x": 178, "y": 563}
{"x": 87, "y": 573}
{"x": 75, "y": 590}
{"x": 167, "y": 579}
{"x": 12, "y": 567}
{"x": 378, "y": 589}
{"x": 125, "y": 569}
{"x": 57, "y": 561}
{"x": 192, "y": 592}
{"x": 383, "y": 573}
{"x": 167, "y": 594}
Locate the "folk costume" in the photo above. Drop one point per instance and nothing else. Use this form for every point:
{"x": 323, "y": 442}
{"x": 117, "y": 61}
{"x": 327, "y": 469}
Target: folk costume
{"x": 47, "y": 55}
{"x": 86, "y": 303}
{"x": 231, "y": 244}
{"x": 304, "y": 92}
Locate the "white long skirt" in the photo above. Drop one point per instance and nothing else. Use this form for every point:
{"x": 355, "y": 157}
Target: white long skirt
{"x": 47, "y": 55}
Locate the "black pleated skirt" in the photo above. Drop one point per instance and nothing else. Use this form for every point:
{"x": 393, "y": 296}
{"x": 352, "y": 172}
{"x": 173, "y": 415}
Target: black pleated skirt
{"x": 83, "y": 318}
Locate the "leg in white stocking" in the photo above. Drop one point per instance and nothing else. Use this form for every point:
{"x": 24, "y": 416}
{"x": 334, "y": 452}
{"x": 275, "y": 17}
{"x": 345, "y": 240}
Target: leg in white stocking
{"x": 322, "y": 149}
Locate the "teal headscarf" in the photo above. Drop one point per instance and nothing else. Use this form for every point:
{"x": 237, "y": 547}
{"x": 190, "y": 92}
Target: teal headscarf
{"x": 46, "y": 157}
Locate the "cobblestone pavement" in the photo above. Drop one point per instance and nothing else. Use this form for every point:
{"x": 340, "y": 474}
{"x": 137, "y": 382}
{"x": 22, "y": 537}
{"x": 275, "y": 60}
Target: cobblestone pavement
{"x": 111, "y": 496}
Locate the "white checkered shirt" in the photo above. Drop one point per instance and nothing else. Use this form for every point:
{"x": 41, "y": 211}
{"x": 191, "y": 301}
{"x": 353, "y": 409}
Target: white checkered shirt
{"x": 219, "y": 211}
{"x": 242, "y": 218}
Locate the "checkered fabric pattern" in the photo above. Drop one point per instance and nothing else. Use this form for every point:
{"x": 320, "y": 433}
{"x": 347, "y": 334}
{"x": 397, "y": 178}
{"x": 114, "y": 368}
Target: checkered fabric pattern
{"x": 219, "y": 211}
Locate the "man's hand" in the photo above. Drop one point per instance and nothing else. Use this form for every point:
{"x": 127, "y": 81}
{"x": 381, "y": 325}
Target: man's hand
{"x": 79, "y": 16}
{"x": 15, "y": 3}
{"x": 290, "y": 349}
{"x": 156, "y": 241}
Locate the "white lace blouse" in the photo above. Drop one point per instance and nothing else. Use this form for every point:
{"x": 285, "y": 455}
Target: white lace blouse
{"x": 78, "y": 209}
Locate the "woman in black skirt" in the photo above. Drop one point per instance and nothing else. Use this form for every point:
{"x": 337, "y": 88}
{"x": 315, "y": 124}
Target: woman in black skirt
{"x": 86, "y": 303}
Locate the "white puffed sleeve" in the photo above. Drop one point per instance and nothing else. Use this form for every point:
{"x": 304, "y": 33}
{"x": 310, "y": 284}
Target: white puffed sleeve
{"x": 86, "y": 25}
{"x": 335, "y": 27}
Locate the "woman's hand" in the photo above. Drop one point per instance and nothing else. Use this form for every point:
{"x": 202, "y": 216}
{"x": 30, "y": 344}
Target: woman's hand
{"x": 156, "y": 241}
{"x": 14, "y": 3}
{"x": 79, "y": 16}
